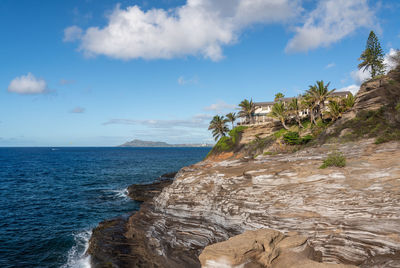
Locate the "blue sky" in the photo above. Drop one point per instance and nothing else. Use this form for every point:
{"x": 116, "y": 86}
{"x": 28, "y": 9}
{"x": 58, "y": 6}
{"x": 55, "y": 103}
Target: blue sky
{"x": 99, "y": 73}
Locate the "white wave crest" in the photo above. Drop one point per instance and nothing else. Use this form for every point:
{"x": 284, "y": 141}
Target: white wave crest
{"x": 122, "y": 193}
{"x": 76, "y": 255}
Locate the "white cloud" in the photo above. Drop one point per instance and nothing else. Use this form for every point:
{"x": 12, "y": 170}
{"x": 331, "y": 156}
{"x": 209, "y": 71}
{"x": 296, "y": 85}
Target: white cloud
{"x": 199, "y": 27}
{"x": 183, "y": 81}
{"x": 330, "y": 65}
{"x": 331, "y": 21}
{"x": 352, "y": 88}
{"x": 27, "y": 84}
{"x": 388, "y": 61}
{"x": 197, "y": 121}
{"x": 78, "y": 110}
{"x": 220, "y": 106}
{"x": 72, "y": 33}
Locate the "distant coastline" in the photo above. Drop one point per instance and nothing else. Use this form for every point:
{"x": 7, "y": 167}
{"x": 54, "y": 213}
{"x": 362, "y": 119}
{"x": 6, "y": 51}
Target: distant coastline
{"x": 142, "y": 143}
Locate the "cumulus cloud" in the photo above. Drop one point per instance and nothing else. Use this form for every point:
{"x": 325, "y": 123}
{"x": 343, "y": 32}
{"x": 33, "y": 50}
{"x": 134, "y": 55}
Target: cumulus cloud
{"x": 197, "y": 121}
{"x": 199, "y": 27}
{"x": 331, "y": 21}
{"x": 72, "y": 33}
{"x": 27, "y": 84}
{"x": 330, "y": 65}
{"x": 220, "y": 106}
{"x": 78, "y": 110}
{"x": 183, "y": 81}
{"x": 352, "y": 88}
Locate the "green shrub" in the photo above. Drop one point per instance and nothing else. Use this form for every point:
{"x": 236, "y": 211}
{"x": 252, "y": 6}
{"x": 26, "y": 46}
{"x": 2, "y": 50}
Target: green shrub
{"x": 293, "y": 138}
{"x": 334, "y": 159}
{"x": 398, "y": 106}
{"x": 227, "y": 143}
{"x": 234, "y": 133}
{"x": 280, "y": 133}
{"x": 306, "y": 139}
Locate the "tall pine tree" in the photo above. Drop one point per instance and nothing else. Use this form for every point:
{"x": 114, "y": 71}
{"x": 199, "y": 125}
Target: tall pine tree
{"x": 372, "y": 57}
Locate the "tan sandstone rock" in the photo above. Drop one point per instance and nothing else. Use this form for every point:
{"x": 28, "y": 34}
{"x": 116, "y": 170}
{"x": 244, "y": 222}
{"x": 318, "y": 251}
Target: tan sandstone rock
{"x": 263, "y": 248}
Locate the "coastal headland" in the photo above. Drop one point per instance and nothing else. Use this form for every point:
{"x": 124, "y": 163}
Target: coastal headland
{"x": 299, "y": 214}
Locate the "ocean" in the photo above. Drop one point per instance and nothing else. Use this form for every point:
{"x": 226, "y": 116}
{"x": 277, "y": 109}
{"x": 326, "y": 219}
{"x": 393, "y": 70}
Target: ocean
{"x": 51, "y": 198}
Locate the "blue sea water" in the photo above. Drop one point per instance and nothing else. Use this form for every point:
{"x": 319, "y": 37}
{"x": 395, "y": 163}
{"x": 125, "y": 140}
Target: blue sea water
{"x": 51, "y": 198}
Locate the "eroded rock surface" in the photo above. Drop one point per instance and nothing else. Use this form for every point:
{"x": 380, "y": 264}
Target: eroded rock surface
{"x": 263, "y": 248}
{"x": 378, "y": 92}
{"x": 145, "y": 192}
{"x": 351, "y": 215}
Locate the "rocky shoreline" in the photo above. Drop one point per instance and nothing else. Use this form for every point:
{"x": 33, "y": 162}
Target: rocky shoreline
{"x": 351, "y": 215}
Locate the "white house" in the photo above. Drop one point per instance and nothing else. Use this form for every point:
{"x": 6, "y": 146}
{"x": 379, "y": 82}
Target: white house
{"x": 263, "y": 109}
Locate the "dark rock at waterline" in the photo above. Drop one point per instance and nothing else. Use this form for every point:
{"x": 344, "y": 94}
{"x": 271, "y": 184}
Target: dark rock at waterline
{"x": 108, "y": 246}
{"x": 144, "y": 192}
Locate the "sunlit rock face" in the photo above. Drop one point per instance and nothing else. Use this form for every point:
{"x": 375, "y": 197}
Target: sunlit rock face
{"x": 350, "y": 215}
{"x": 263, "y": 248}
{"x": 378, "y": 92}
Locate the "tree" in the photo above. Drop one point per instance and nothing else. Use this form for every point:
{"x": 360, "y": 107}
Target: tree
{"x": 247, "y": 109}
{"x": 349, "y": 101}
{"x": 335, "y": 110}
{"x": 308, "y": 103}
{"x": 279, "y": 112}
{"x": 231, "y": 117}
{"x": 218, "y": 126}
{"x": 294, "y": 108}
{"x": 372, "y": 56}
{"x": 279, "y": 96}
{"x": 318, "y": 94}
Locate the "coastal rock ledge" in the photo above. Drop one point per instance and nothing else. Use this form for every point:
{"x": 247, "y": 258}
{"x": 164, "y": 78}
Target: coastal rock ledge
{"x": 350, "y": 215}
{"x": 264, "y": 248}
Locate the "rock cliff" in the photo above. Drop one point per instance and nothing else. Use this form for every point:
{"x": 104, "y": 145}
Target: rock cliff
{"x": 351, "y": 215}
{"x": 378, "y": 92}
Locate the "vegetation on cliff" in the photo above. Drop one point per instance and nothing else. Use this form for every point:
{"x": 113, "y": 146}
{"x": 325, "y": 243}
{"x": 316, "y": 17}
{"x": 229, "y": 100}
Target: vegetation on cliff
{"x": 371, "y": 114}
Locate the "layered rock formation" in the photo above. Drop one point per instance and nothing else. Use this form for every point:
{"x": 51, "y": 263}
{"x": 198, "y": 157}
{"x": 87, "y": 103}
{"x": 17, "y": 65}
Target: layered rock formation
{"x": 351, "y": 215}
{"x": 145, "y": 192}
{"x": 263, "y": 248}
{"x": 378, "y": 92}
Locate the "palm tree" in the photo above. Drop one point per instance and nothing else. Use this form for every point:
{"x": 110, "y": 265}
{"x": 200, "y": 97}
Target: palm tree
{"x": 309, "y": 103}
{"x": 231, "y": 117}
{"x": 218, "y": 126}
{"x": 318, "y": 94}
{"x": 279, "y": 96}
{"x": 294, "y": 108}
{"x": 335, "y": 110}
{"x": 247, "y": 109}
{"x": 349, "y": 101}
{"x": 279, "y": 112}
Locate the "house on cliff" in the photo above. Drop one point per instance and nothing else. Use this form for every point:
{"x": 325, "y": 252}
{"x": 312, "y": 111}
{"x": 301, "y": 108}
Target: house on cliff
{"x": 263, "y": 109}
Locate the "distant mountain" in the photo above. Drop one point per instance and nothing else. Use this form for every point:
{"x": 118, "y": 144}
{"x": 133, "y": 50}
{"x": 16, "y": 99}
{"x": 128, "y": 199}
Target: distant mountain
{"x": 140, "y": 143}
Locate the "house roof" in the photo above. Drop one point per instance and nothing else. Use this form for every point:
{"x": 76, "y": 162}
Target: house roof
{"x": 269, "y": 103}
{"x": 340, "y": 93}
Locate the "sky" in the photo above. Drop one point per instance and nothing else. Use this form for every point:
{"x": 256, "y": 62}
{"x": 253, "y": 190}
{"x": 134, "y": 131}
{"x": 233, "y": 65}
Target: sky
{"x": 102, "y": 72}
